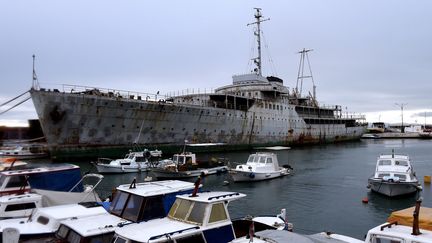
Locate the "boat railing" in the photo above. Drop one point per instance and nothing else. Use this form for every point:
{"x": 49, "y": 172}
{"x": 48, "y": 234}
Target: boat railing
{"x": 112, "y": 93}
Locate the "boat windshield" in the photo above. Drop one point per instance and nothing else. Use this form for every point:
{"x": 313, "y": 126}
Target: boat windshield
{"x": 179, "y": 159}
{"x": 137, "y": 208}
{"x": 401, "y": 162}
{"x": 251, "y": 158}
{"x": 188, "y": 211}
{"x": 262, "y": 159}
{"x": 385, "y": 239}
{"x": 66, "y": 233}
{"x": 384, "y": 162}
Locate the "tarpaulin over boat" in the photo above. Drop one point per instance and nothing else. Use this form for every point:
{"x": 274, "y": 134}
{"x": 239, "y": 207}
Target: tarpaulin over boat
{"x": 62, "y": 180}
{"x": 405, "y": 217}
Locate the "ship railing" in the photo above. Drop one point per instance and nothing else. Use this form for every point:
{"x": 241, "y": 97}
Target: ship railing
{"x": 192, "y": 91}
{"x": 106, "y": 92}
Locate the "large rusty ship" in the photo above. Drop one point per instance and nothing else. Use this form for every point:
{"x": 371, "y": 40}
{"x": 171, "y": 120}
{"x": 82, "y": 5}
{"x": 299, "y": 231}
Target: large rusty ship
{"x": 253, "y": 111}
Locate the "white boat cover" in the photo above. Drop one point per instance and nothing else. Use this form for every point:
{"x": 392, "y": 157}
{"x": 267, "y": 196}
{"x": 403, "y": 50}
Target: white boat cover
{"x": 53, "y": 198}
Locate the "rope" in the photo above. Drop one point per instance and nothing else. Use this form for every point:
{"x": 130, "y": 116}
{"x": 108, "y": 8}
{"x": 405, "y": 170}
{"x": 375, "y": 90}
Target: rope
{"x": 7, "y": 102}
{"x": 1, "y": 113}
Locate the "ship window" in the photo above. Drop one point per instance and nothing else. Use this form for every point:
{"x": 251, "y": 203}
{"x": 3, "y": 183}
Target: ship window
{"x": 118, "y": 203}
{"x": 262, "y": 160}
{"x": 42, "y": 220}
{"x": 385, "y": 239}
{"x": 21, "y": 206}
{"x": 197, "y": 213}
{"x": 401, "y": 162}
{"x": 269, "y": 160}
{"x": 132, "y": 208}
{"x": 16, "y": 181}
{"x": 218, "y": 213}
{"x": 62, "y": 231}
{"x": 73, "y": 237}
{"x": 153, "y": 208}
{"x": 384, "y": 162}
{"x": 251, "y": 158}
{"x": 181, "y": 209}
{"x": 382, "y": 175}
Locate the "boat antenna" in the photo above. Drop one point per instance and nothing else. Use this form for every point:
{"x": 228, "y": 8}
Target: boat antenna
{"x": 35, "y": 82}
{"x": 301, "y": 75}
{"x": 257, "y": 33}
{"x": 416, "y": 214}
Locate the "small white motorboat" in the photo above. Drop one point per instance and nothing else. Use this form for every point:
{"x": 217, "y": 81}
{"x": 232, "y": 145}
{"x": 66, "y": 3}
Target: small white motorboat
{"x": 185, "y": 165}
{"x": 25, "y": 152}
{"x": 133, "y": 162}
{"x": 394, "y": 176}
{"x": 259, "y": 166}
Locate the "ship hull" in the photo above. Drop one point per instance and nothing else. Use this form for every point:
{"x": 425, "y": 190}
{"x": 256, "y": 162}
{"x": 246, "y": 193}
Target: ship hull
{"x": 78, "y": 125}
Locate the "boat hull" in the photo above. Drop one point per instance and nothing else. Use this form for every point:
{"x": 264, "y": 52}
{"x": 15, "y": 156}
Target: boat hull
{"x": 393, "y": 189}
{"x": 247, "y": 176}
{"x": 166, "y": 174}
{"x": 110, "y": 169}
{"x": 88, "y": 125}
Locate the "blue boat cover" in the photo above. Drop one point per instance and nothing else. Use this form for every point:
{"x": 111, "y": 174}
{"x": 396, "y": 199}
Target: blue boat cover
{"x": 62, "y": 180}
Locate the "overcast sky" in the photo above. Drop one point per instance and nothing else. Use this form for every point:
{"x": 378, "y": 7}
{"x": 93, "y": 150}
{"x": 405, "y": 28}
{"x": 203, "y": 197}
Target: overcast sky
{"x": 367, "y": 55}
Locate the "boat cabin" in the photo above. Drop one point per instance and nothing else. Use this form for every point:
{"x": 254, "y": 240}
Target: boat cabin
{"x": 261, "y": 161}
{"x": 19, "y": 205}
{"x": 394, "y": 167}
{"x": 203, "y": 218}
{"x": 185, "y": 158}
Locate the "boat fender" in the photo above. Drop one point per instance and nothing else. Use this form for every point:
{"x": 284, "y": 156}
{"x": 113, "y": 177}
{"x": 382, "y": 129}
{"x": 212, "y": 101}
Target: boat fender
{"x": 287, "y": 167}
{"x": 251, "y": 175}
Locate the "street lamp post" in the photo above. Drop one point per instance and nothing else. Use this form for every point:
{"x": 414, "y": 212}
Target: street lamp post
{"x": 402, "y": 107}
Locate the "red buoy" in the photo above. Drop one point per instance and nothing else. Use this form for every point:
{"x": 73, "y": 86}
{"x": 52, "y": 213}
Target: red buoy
{"x": 365, "y": 200}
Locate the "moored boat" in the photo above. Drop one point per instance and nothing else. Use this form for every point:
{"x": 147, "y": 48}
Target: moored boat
{"x": 185, "y": 165}
{"x": 25, "y": 152}
{"x": 133, "y": 162}
{"x": 254, "y": 110}
{"x": 394, "y": 176}
{"x": 259, "y": 166}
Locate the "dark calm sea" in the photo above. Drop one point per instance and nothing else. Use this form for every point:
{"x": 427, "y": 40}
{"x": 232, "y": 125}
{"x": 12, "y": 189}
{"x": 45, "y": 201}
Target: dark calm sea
{"x": 326, "y": 189}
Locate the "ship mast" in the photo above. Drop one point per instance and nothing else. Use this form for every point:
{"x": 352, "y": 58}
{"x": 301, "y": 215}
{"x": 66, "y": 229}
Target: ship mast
{"x": 301, "y": 75}
{"x": 257, "y": 60}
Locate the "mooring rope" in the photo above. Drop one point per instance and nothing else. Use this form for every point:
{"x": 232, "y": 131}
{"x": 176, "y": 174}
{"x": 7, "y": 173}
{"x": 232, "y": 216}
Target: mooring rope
{"x": 1, "y": 113}
{"x": 9, "y": 101}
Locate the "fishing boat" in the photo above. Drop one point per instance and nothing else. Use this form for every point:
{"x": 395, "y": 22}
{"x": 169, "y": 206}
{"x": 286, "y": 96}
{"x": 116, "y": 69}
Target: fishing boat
{"x": 134, "y": 202}
{"x": 394, "y": 176}
{"x": 259, "y": 166}
{"x": 200, "y": 217}
{"x": 185, "y": 165}
{"x": 254, "y": 110}
{"x": 25, "y": 152}
{"x": 133, "y": 162}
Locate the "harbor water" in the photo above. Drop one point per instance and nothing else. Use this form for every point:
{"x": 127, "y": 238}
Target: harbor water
{"x": 325, "y": 190}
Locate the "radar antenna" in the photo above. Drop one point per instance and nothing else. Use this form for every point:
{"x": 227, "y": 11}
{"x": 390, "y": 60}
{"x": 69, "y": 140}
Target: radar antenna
{"x": 257, "y": 33}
